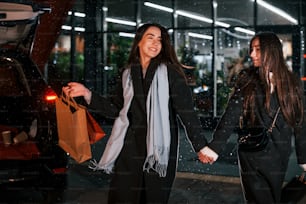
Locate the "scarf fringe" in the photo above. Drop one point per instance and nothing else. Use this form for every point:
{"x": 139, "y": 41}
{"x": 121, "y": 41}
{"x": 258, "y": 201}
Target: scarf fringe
{"x": 94, "y": 165}
{"x": 152, "y": 163}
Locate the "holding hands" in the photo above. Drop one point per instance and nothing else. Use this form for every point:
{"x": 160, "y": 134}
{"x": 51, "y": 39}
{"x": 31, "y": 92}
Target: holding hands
{"x": 207, "y": 155}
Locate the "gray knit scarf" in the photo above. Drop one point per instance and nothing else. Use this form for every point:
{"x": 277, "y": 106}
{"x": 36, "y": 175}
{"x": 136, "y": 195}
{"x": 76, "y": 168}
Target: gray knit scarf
{"x": 158, "y": 125}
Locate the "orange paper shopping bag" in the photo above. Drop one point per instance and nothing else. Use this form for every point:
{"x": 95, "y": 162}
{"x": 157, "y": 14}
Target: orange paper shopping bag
{"x": 72, "y": 128}
{"x": 95, "y": 132}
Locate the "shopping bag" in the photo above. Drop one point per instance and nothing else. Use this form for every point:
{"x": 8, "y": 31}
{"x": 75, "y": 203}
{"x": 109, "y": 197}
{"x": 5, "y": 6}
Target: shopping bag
{"x": 95, "y": 132}
{"x": 72, "y": 128}
{"x": 294, "y": 190}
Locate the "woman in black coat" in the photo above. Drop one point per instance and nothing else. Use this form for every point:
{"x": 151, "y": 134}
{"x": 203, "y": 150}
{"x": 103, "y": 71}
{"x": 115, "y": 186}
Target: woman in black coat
{"x": 151, "y": 99}
{"x": 258, "y": 94}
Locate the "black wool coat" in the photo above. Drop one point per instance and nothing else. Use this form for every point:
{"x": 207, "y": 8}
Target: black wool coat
{"x": 281, "y": 135}
{"x": 128, "y": 171}
{"x": 262, "y": 173}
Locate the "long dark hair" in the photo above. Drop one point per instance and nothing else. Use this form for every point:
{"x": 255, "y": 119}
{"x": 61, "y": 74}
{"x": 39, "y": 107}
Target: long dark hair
{"x": 288, "y": 86}
{"x": 167, "y": 54}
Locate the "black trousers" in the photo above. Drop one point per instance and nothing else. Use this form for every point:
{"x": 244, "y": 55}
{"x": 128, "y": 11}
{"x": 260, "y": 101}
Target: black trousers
{"x": 131, "y": 185}
{"x": 154, "y": 190}
{"x": 262, "y": 174}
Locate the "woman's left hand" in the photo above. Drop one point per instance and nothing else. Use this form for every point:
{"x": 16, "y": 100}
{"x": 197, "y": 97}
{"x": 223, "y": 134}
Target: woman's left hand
{"x": 75, "y": 89}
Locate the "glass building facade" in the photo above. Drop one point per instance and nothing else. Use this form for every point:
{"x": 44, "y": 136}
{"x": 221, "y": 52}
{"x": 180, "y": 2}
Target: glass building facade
{"x": 211, "y": 37}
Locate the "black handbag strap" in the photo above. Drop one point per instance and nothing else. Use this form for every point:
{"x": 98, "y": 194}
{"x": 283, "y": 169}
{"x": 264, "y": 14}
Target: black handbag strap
{"x": 274, "y": 120}
{"x": 270, "y": 128}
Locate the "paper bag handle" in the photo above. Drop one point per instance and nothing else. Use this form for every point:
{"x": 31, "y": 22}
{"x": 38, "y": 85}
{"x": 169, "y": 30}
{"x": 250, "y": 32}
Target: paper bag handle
{"x": 69, "y": 101}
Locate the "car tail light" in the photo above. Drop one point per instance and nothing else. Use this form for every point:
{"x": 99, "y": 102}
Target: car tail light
{"x": 59, "y": 170}
{"x": 50, "y": 95}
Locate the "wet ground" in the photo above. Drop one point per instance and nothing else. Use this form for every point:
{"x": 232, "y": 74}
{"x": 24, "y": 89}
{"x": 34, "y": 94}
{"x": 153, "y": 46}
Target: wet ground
{"x": 195, "y": 182}
{"x": 85, "y": 187}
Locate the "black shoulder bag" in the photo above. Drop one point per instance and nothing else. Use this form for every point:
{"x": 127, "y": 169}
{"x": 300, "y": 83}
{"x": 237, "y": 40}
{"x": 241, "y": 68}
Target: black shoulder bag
{"x": 253, "y": 140}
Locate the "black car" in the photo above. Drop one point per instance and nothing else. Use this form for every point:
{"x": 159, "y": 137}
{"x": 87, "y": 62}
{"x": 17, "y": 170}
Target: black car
{"x": 27, "y": 106}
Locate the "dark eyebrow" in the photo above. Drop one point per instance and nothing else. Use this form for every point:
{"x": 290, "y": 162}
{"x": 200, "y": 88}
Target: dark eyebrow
{"x": 151, "y": 34}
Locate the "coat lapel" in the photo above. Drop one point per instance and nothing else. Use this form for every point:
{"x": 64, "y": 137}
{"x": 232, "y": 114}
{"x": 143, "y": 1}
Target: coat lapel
{"x": 142, "y": 85}
{"x": 149, "y": 77}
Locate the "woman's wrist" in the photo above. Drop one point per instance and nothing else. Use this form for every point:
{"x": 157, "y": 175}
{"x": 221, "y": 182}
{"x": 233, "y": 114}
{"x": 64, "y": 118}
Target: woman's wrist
{"x": 303, "y": 166}
{"x": 87, "y": 96}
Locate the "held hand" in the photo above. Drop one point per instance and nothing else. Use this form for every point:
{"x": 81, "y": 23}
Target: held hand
{"x": 205, "y": 159}
{"x": 207, "y": 155}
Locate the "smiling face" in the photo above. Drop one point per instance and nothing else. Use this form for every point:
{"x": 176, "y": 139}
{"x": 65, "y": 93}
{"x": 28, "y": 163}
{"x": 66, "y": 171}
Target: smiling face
{"x": 150, "y": 45}
{"x": 255, "y": 52}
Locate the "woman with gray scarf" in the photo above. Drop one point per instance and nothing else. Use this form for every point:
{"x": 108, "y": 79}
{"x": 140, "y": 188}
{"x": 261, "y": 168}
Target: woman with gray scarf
{"x": 151, "y": 100}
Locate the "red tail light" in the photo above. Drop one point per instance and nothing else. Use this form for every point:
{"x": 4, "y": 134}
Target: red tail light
{"x": 50, "y": 95}
{"x": 59, "y": 170}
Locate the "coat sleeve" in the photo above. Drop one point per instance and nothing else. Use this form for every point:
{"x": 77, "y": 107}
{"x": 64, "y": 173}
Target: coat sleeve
{"x": 300, "y": 140}
{"x": 227, "y": 123}
{"x": 109, "y": 106}
{"x": 182, "y": 103}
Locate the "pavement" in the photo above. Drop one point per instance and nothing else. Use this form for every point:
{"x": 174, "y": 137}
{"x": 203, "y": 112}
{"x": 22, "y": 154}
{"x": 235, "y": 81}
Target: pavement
{"x": 195, "y": 183}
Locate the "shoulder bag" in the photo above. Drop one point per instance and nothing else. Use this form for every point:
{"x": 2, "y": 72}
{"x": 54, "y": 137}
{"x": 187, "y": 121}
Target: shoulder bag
{"x": 253, "y": 140}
